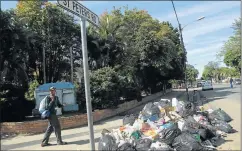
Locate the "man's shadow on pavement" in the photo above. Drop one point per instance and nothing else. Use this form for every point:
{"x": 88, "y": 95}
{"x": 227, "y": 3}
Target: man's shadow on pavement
{"x": 82, "y": 142}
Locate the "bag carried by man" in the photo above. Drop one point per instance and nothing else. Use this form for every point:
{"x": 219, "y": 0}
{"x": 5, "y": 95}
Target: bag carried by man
{"x": 42, "y": 108}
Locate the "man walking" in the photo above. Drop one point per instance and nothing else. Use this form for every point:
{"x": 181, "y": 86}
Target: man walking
{"x": 54, "y": 124}
{"x": 231, "y": 83}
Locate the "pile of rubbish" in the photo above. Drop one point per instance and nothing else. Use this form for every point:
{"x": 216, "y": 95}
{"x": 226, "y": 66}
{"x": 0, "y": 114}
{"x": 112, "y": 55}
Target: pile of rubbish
{"x": 168, "y": 125}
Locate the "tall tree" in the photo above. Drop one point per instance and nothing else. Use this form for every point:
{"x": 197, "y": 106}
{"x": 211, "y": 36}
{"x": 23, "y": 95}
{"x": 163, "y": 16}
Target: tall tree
{"x": 14, "y": 50}
{"x": 14, "y": 56}
{"x": 191, "y": 73}
{"x": 225, "y": 72}
{"x": 147, "y": 58}
{"x": 57, "y": 32}
{"x": 211, "y": 70}
{"x": 231, "y": 52}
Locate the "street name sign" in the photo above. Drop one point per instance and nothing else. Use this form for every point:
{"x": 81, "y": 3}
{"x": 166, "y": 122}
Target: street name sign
{"x": 78, "y": 9}
{"x": 84, "y": 13}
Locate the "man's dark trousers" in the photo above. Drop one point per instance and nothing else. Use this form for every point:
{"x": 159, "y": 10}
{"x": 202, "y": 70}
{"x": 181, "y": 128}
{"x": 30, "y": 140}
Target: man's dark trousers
{"x": 54, "y": 124}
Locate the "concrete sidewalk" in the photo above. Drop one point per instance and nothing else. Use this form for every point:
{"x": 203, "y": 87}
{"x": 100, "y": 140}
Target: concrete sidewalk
{"x": 77, "y": 138}
{"x": 232, "y": 141}
{"x": 231, "y": 104}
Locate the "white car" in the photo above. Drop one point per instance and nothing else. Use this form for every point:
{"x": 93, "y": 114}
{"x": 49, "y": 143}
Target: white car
{"x": 207, "y": 86}
{"x": 203, "y": 81}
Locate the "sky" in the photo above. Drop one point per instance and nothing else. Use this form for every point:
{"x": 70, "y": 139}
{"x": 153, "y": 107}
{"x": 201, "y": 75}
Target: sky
{"x": 203, "y": 39}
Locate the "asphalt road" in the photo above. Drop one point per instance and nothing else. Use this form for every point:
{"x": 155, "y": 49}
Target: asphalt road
{"x": 227, "y": 99}
{"x": 223, "y": 91}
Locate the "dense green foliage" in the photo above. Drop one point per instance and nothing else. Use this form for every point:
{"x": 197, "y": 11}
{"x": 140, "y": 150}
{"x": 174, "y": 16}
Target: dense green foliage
{"x": 213, "y": 71}
{"x": 131, "y": 52}
{"x": 231, "y": 52}
{"x": 29, "y": 95}
{"x": 191, "y": 73}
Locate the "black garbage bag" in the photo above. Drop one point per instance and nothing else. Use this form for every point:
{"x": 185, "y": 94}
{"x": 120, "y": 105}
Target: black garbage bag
{"x": 201, "y": 132}
{"x": 222, "y": 126}
{"x": 186, "y": 141}
{"x": 208, "y": 146}
{"x": 126, "y": 147}
{"x": 167, "y": 135}
{"x": 163, "y": 104}
{"x": 159, "y": 146}
{"x": 143, "y": 144}
{"x": 204, "y": 113}
{"x": 215, "y": 141}
{"x": 129, "y": 119}
{"x": 209, "y": 134}
{"x": 150, "y": 109}
{"x": 107, "y": 142}
{"x": 191, "y": 122}
{"x": 188, "y": 109}
{"x": 193, "y": 127}
{"x": 204, "y": 133}
{"x": 219, "y": 114}
{"x": 105, "y": 132}
{"x": 211, "y": 130}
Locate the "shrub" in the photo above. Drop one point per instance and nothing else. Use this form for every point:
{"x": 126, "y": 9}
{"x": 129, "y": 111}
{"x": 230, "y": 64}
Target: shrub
{"x": 12, "y": 103}
{"x": 105, "y": 87}
{"x": 80, "y": 96}
{"x": 29, "y": 95}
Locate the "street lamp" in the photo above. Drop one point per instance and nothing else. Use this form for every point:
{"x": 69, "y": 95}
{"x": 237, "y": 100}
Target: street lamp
{"x": 201, "y": 18}
{"x": 183, "y": 46}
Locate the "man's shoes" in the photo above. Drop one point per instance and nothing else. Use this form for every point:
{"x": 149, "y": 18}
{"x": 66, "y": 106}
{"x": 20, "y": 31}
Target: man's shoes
{"x": 62, "y": 143}
{"x": 45, "y": 144}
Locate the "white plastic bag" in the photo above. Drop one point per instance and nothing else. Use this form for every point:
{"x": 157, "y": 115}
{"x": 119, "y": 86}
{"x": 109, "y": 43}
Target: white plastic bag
{"x": 181, "y": 123}
{"x": 199, "y": 118}
{"x": 210, "y": 111}
{"x": 58, "y": 111}
{"x": 121, "y": 143}
{"x": 160, "y": 146}
{"x": 176, "y": 104}
{"x": 115, "y": 134}
{"x": 128, "y": 131}
{"x": 137, "y": 124}
{"x": 165, "y": 100}
{"x": 42, "y": 105}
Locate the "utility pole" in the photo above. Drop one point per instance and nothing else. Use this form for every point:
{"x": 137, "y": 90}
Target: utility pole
{"x": 183, "y": 47}
{"x": 185, "y": 66}
{"x": 44, "y": 71}
{"x": 71, "y": 54}
{"x": 43, "y": 50}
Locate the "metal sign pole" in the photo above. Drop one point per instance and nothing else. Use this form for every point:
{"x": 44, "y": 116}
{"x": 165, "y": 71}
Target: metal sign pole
{"x": 87, "y": 82}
